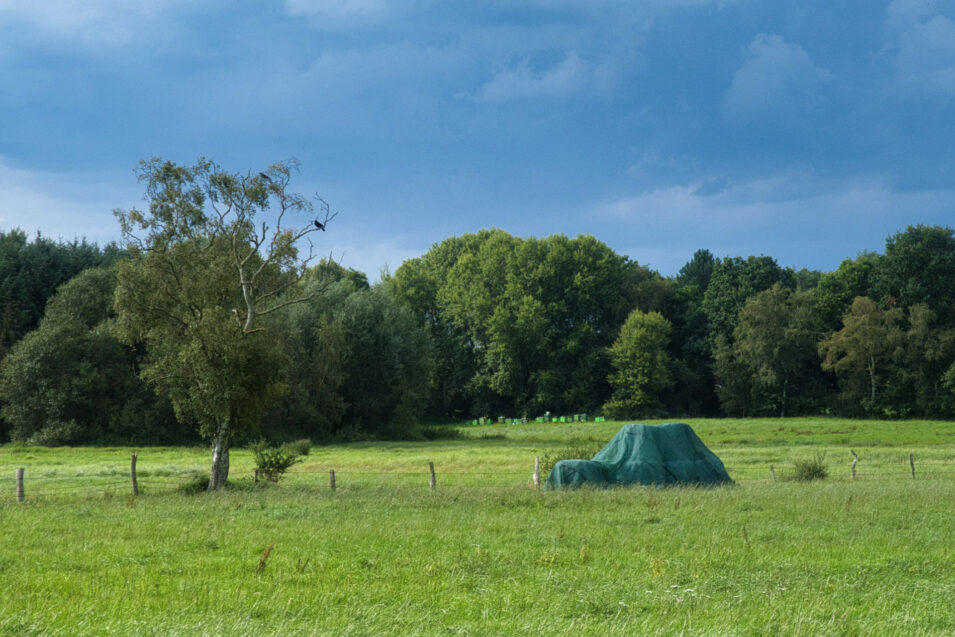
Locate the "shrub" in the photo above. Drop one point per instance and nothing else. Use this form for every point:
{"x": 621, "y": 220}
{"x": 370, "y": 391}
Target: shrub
{"x": 198, "y": 483}
{"x": 273, "y": 462}
{"x": 809, "y": 470}
{"x": 298, "y": 447}
{"x": 435, "y": 432}
{"x": 577, "y": 449}
{"x": 57, "y": 434}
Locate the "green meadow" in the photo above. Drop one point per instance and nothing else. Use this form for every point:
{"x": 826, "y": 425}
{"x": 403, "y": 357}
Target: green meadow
{"x": 484, "y": 553}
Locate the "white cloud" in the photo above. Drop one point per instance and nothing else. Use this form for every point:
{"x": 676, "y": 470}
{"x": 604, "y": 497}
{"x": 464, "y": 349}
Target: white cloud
{"x": 561, "y": 80}
{"x": 777, "y": 84}
{"x": 62, "y": 205}
{"x": 768, "y": 199}
{"x": 800, "y": 219}
{"x": 926, "y": 58}
{"x": 371, "y": 68}
{"x": 902, "y": 14}
{"x": 374, "y": 257}
{"x": 94, "y": 23}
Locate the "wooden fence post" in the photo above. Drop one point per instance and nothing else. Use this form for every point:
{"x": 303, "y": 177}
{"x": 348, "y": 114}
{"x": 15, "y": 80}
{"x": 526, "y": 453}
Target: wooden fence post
{"x": 132, "y": 474}
{"x": 537, "y": 472}
{"x": 912, "y": 464}
{"x": 855, "y": 459}
{"x": 331, "y": 478}
{"x": 255, "y": 476}
{"x": 772, "y": 472}
{"x": 434, "y": 482}
{"x": 20, "y": 484}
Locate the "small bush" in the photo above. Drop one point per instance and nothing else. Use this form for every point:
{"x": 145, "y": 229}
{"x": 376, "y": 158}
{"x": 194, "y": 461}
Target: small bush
{"x": 297, "y": 447}
{"x": 57, "y": 434}
{"x": 435, "y": 432}
{"x": 809, "y": 470}
{"x": 577, "y": 449}
{"x": 198, "y": 483}
{"x": 273, "y": 462}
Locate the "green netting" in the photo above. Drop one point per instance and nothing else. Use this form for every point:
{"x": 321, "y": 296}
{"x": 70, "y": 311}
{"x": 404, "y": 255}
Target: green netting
{"x": 670, "y": 454}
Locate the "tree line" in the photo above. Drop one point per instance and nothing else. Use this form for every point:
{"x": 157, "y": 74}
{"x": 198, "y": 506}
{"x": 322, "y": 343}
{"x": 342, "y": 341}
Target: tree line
{"x": 158, "y": 340}
{"x": 524, "y": 326}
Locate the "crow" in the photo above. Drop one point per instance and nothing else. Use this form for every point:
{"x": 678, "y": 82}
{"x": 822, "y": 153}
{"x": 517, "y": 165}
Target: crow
{"x": 265, "y": 177}
{"x": 319, "y": 225}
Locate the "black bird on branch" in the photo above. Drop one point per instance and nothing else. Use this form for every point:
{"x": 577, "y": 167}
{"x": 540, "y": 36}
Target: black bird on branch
{"x": 265, "y": 177}
{"x": 319, "y": 225}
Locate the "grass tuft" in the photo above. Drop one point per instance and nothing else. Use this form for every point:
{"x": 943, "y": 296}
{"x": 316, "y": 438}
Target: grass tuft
{"x": 297, "y": 447}
{"x": 194, "y": 485}
{"x": 265, "y": 558}
{"x": 810, "y": 470}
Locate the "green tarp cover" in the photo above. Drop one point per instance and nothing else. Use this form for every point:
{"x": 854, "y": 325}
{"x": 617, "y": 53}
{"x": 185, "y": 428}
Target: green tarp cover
{"x": 670, "y": 454}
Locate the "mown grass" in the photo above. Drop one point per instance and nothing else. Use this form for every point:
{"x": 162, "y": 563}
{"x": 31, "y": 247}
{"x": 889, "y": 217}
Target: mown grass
{"x": 384, "y": 554}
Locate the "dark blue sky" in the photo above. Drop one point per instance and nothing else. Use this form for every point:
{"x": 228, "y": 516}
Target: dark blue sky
{"x": 806, "y": 131}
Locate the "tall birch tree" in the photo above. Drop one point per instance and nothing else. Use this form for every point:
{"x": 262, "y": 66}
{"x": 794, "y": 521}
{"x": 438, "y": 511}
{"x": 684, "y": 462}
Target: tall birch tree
{"x": 214, "y": 257}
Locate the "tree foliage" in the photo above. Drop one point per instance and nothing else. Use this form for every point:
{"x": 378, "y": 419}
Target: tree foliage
{"x": 30, "y": 273}
{"x": 836, "y": 290}
{"x": 929, "y": 352}
{"x": 863, "y": 353}
{"x": 771, "y": 365}
{"x": 641, "y": 366}
{"x": 918, "y": 267}
{"x": 70, "y": 381}
{"x": 520, "y": 325}
{"x": 219, "y": 311}
{"x": 733, "y": 281}
{"x": 360, "y": 362}
{"x": 691, "y": 346}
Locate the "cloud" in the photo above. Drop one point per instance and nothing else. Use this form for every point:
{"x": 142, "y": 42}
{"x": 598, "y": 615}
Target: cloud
{"x": 374, "y": 257}
{"x": 799, "y": 218}
{"x": 764, "y": 201}
{"x": 355, "y": 87}
{"x": 333, "y": 12}
{"x": 62, "y": 205}
{"x": 902, "y": 14}
{"x": 94, "y": 23}
{"x": 565, "y": 78}
{"x": 777, "y": 84}
{"x": 926, "y": 57}
{"x": 367, "y": 70}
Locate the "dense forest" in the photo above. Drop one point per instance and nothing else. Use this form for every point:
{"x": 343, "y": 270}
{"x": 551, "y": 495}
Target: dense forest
{"x": 489, "y": 324}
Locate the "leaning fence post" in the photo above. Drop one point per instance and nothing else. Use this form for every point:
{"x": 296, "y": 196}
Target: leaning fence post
{"x": 772, "y": 472}
{"x": 855, "y": 459}
{"x": 434, "y": 482}
{"x": 20, "y": 484}
{"x": 132, "y": 473}
{"x": 537, "y": 472}
{"x": 331, "y": 479}
{"x": 255, "y": 476}
{"x": 912, "y": 464}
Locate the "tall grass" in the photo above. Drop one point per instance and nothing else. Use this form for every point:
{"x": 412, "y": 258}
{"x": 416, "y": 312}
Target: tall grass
{"x": 789, "y": 558}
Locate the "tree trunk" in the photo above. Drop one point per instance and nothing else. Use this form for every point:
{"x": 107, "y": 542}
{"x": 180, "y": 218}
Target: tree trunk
{"x": 782, "y": 408}
{"x": 220, "y": 458}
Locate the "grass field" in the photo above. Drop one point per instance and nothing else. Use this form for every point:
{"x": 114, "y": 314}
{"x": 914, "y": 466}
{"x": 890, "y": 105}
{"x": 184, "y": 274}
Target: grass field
{"x": 484, "y": 553}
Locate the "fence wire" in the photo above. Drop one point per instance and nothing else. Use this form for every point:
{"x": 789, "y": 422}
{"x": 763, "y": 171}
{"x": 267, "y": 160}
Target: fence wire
{"x": 40, "y": 483}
